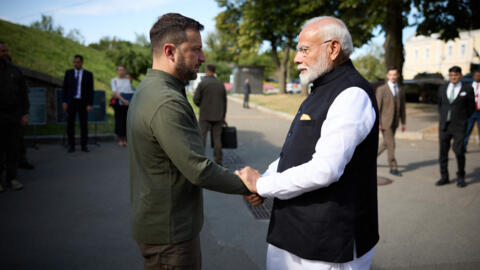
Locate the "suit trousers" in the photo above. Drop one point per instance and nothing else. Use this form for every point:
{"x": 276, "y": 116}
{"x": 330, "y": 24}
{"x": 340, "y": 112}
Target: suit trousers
{"x": 77, "y": 106}
{"x": 9, "y": 148}
{"x": 215, "y": 128}
{"x": 458, "y": 148}
{"x": 182, "y": 256}
{"x": 389, "y": 144}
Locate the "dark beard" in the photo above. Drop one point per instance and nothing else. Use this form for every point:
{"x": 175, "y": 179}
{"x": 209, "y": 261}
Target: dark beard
{"x": 182, "y": 70}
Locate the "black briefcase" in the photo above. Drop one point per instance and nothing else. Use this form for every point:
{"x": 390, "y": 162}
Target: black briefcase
{"x": 229, "y": 137}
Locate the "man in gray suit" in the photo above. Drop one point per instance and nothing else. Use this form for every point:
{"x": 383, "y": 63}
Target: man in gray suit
{"x": 211, "y": 97}
{"x": 391, "y": 108}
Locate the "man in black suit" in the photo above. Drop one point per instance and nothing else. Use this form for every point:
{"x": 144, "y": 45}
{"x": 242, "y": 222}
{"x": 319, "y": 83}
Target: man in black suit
{"x": 455, "y": 105}
{"x": 77, "y": 98}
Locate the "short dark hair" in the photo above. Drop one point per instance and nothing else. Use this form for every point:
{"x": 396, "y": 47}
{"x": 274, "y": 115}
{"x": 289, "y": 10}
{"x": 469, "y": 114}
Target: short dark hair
{"x": 78, "y": 56}
{"x": 392, "y": 68}
{"x": 211, "y": 68}
{"x": 456, "y": 69}
{"x": 476, "y": 70}
{"x": 170, "y": 28}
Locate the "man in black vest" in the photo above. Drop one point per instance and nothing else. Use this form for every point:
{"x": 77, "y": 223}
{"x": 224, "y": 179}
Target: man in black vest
{"x": 456, "y": 102}
{"x": 325, "y": 182}
{"x": 77, "y": 98}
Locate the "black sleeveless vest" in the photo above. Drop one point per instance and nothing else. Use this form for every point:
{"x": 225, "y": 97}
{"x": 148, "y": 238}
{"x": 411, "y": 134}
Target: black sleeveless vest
{"x": 323, "y": 224}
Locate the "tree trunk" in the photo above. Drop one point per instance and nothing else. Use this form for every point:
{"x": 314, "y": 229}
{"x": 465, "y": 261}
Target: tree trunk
{"x": 393, "y": 45}
{"x": 282, "y": 70}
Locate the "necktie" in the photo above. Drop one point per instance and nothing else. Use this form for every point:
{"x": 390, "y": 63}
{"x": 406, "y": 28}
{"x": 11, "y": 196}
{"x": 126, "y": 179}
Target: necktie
{"x": 77, "y": 76}
{"x": 451, "y": 98}
{"x": 395, "y": 90}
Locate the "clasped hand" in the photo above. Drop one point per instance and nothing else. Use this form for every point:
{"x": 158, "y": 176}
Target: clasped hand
{"x": 249, "y": 178}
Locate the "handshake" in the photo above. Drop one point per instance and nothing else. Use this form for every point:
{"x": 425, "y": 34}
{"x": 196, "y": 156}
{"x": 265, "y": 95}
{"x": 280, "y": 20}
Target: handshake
{"x": 249, "y": 178}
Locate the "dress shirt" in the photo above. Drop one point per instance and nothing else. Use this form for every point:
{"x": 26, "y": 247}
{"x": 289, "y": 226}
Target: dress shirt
{"x": 393, "y": 87}
{"x": 456, "y": 89}
{"x": 476, "y": 90}
{"x": 349, "y": 120}
{"x": 78, "y": 74}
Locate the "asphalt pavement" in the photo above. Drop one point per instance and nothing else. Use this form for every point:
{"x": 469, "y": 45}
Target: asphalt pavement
{"x": 74, "y": 211}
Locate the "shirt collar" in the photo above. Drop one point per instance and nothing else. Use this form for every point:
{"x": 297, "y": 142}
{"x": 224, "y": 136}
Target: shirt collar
{"x": 177, "y": 84}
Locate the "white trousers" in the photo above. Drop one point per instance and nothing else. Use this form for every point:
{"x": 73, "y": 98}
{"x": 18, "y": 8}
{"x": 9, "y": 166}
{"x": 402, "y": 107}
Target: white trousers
{"x": 279, "y": 259}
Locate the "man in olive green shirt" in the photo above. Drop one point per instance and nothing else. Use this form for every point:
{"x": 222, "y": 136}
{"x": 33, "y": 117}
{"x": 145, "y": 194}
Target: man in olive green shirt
{"x": 168, "y": 168}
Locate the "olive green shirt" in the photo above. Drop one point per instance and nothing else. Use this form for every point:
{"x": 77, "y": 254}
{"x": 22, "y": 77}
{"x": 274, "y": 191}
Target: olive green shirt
{"x": 168, "y": 168}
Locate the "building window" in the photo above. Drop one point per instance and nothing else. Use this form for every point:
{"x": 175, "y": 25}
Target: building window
{"x": 463, "y": 50}
{"x": 427, "y": 53}
{"x": 450, "y": 50}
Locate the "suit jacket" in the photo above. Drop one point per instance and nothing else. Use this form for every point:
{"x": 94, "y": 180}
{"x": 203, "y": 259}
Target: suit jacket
{"x": 211, "y": 97}
{"x": 70, "y": 89}
{"x": 386, "y": 106}
{"x": 461, "y": 108}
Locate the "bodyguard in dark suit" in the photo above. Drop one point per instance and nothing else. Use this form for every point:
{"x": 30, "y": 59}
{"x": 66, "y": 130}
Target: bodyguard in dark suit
{"x": 77, "y": 98}
{"x": 455, "y": 105}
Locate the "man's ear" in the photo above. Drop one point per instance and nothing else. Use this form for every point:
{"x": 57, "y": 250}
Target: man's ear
{"x": 334, "y": 49}
{"x": 169, "y": 51}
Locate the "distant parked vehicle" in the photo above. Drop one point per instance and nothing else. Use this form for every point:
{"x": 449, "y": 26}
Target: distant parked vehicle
{"x": 294, "y": 87}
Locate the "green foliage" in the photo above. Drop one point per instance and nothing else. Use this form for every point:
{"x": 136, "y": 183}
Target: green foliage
{"x": 136, "y": 59}
{"x": 46, "y": 24}
{"x": 447, "y": 17}
{"x": 372, "y": 64}
{"x": 52, "y": 54}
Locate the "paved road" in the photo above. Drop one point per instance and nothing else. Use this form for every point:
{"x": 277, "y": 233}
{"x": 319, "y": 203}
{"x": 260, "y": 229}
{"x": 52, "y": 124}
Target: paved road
{"x": 74, "y": 211}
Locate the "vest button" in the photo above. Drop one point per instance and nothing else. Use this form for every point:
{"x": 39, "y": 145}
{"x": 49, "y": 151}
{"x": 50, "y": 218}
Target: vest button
{"x": 289, "y": 134}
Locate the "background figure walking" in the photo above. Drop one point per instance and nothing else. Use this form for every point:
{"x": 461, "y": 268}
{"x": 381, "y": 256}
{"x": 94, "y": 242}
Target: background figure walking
{"x": 121, "y": 89}
{"x": 246, "y": 91}
{"x": 455, "y": 105}
{"x": 211, "y": 97}
{"x": 391, "y": 108}
{"x": 476, "y": 115}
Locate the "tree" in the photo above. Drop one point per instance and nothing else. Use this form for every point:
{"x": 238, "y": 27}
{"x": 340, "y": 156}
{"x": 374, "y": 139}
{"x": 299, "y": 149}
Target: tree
{"x": 76, "y": 36}
{"x": 46, "y": 24}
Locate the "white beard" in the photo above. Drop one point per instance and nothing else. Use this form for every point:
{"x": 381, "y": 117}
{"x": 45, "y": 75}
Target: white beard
{"x": 318, "y": 69}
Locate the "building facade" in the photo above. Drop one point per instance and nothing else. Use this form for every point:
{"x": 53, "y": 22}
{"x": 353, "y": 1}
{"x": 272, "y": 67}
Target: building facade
{"x": 432, "y": 55}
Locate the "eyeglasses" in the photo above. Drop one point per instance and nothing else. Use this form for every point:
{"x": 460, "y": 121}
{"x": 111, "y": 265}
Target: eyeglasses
{"x": 305, "y": 50}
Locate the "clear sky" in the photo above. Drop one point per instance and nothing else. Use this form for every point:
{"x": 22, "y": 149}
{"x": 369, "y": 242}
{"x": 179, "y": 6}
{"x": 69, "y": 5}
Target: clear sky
{"x": 121, "y": 18}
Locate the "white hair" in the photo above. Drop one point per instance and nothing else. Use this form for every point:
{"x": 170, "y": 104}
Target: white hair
{"x": 337, "y": 31}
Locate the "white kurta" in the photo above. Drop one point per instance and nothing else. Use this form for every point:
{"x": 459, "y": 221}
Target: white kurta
{"x": 349, "y": 120}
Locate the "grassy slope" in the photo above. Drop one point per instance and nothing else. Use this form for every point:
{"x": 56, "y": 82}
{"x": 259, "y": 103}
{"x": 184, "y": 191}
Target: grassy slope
{"x": 52, "y": 54}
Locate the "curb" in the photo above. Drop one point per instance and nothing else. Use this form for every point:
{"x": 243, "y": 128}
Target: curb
{"x": 107, "y": 137}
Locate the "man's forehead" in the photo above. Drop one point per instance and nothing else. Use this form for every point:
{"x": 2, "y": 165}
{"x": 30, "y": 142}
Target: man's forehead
{"x": 309, "y": 35}
{"x": 193, "y": 36}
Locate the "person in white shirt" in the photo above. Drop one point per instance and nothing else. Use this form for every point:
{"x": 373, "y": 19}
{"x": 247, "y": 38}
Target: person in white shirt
{"x": 391, "y": 109}
{"x": 476, "y": 115}
{"x": 122, "y": 90}
{"x": 324, "y": 183}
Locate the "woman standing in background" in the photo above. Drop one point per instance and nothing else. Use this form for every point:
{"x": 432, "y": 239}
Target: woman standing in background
{"x": 122, "y": 91}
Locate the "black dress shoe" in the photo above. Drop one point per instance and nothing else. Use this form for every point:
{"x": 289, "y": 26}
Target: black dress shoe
{"x": 71, "y": 149}
{"x": 442, "y": 182}
{"x": 395, "y": 172}
{"x": 26, "y": 165}
{"x": 85, "y": 149}
{"x": 461, "y": 182}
